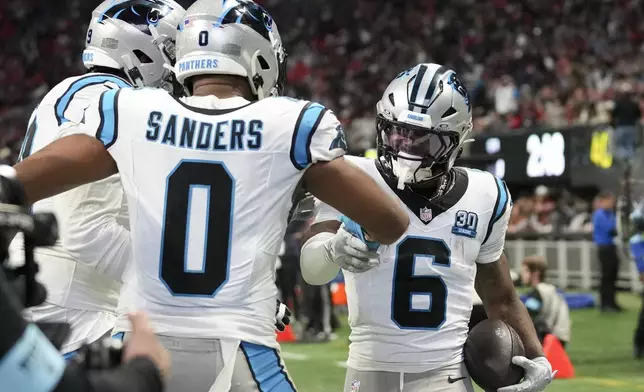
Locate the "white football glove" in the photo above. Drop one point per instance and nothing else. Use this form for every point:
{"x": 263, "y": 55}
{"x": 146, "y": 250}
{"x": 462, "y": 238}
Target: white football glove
{"x": 538, "y": 374}
{"x": 350, "y": 253}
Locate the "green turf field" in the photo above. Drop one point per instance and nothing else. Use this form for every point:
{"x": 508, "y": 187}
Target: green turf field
{"x": 600, "y": 350}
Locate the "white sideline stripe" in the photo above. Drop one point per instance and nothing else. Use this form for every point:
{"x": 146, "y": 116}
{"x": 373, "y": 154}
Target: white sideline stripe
{"x": 341, "y": 364}
{"x": 294, "y": 356}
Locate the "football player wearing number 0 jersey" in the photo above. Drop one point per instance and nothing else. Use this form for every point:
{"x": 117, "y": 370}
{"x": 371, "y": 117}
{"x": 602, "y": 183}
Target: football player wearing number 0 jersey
{"x": 209, "y": 181}
{"x": 410, "y": 302}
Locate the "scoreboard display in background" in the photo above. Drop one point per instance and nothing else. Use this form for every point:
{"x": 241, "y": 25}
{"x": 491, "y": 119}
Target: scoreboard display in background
{"x": 577, "y": 156}
{"x": 525, "y": 158}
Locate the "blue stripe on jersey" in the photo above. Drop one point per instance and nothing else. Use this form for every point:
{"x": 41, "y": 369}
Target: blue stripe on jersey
{"x": 502, "y": 200}
{"x": 267, "y": 369}
{"x": 108, "y": 110}
{"x": 63, "y": 102}
{"x": 305, "y": 127}
{"x": 119, "y": 336}
{"x": 502, "y": 197}
{"x": 70, "y": 355}
{"x": 28, "y": 142}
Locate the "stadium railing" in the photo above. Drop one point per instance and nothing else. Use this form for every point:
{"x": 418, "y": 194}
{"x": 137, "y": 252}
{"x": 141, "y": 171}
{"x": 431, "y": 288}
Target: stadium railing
{"x": 572, "y": 260}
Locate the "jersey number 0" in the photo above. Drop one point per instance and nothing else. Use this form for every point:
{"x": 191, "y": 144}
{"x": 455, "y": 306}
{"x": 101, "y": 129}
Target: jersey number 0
{"x": 220, "y": 186}
{"x": 407, "y": 284}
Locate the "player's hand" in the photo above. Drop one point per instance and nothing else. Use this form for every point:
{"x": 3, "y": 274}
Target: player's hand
{"x": 350, "y": 253}
{"x": 142, "y": 342}
{"x": 282, "y": 316}
{"x": 642, "y": 277}
{"x": 538, "y": 374}
{"x": 357, "y": 231}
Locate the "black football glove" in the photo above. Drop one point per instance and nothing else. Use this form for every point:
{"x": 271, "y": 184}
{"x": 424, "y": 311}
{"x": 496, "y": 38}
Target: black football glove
{"x": 282, "y": 316}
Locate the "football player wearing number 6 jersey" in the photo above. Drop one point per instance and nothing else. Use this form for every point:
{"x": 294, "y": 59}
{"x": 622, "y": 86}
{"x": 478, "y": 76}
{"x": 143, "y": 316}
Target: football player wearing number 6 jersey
{"x": 209, "y": 181}
{"x": 410, "y": 302}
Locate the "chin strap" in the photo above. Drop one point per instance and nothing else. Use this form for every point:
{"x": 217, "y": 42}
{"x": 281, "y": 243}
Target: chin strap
{"x": 165, "y": 44}
{"x": 133, "y": 73}
{"x": 259, "y": 90}
{"x": 401, "y": 177}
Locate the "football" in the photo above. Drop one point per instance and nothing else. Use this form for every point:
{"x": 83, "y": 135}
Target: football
{"x": 488, "y": 352}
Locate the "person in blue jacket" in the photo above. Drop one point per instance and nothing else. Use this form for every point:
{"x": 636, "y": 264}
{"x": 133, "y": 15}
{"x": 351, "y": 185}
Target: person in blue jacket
{"x": 637, "y": 250}
{"x": 604, "y": 233}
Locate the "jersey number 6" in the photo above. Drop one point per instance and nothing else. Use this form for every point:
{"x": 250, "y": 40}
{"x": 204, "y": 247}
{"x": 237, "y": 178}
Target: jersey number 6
{"x": 180, "y": 245}
{"x": 408, "y": 284}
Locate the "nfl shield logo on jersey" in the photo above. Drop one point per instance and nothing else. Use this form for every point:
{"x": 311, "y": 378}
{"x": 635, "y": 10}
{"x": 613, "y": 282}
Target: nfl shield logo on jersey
{"x": 426, "y": 214}
{"x": 355, "y": 386}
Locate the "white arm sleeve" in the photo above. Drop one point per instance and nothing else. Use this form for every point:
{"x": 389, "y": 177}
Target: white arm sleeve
{"x": 494, "y": 241}
{"x": 318, "y": 137}
{"x": 316, "y": 267}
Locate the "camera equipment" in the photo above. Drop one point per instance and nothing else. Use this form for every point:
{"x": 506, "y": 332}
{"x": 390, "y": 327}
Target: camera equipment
{"x": 40, "y": 229}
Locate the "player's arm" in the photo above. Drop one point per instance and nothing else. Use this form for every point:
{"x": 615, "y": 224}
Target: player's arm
{"x": 330, "y": 245}
{"x": 73, "y": 160}
{"x": 355, "y": 194}
{"x": 501, "y": 301}
{"x": 318, "y": 147}
{"x": 63, "y": 165}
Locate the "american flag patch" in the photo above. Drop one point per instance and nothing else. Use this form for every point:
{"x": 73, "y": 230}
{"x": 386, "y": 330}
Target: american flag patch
{"x": 355, "y": 386}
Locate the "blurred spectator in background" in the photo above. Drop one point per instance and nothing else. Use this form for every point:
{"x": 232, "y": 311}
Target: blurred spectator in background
{"x": 604, "y": 233}
{"x": 574, "y": 214}
{"x": 625, "y": 119}
{"x": 553, "y": 110}
{"x": 544, "y": 210}
{"x": 506, "y": 97}
{"x": 319, "y": 320}
{"x": 547, "y": 307}
{"x": 287, "y": 274}
{"x": 637, "y": 250}
{"x": 534, "y": 213}
{"x": 521, "y": 215}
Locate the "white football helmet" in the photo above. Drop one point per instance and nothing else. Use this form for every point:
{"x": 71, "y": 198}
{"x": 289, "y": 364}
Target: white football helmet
{"x": 423, "y": 120}
{"x": 231, "y": 37}
{"x": 136, "y": 36}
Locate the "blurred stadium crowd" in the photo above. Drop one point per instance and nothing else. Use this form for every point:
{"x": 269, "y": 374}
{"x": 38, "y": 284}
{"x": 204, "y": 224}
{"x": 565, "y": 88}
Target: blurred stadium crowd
{"x": 547, "y": 213}
{"x": 526, "y": 63}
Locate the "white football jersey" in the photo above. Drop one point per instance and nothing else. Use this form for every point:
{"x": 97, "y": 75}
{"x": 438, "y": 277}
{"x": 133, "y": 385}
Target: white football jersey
{"x": 82, "y": 271}
{"x": 209, "y": 184}
{"x": 410, "y": 314}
